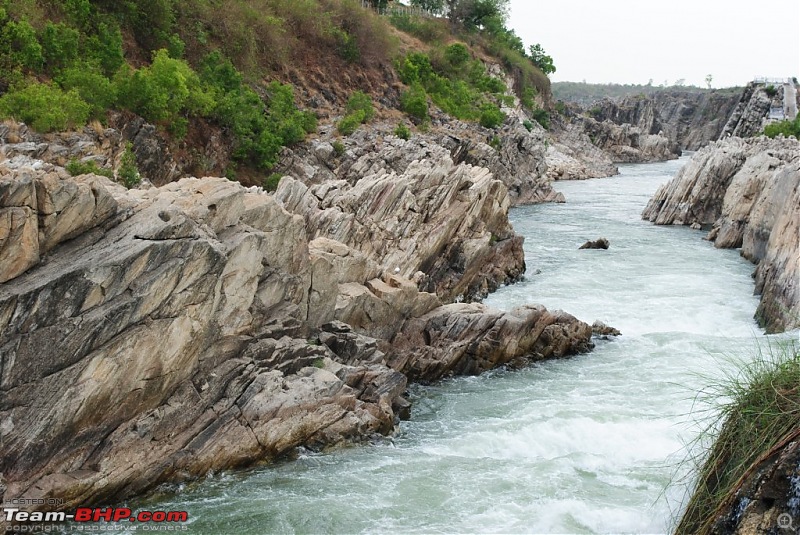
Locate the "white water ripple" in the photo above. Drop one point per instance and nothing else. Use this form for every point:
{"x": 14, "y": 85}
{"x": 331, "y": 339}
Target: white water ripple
{"x": 584, "y": 445}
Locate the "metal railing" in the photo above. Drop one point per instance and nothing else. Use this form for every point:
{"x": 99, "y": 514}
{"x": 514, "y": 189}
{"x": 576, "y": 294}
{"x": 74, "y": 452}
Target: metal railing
{"x": 768, "y": 80}
{"x": 398, "y": 9}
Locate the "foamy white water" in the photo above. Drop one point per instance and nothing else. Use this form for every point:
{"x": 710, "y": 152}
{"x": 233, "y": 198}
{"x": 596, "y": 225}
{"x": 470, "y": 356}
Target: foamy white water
{"x": 584, "y": 445}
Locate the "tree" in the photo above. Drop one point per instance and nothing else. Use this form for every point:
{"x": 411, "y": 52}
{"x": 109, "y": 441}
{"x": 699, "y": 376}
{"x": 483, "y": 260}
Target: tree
{"x": 475, "y": 14}
{"x": 709, "y": 78}
{"x": 541, "y": 59}
{"x": 434, "y": 6}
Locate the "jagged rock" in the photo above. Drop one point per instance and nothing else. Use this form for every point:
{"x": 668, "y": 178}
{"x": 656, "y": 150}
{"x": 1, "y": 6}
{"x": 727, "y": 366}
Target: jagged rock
{"x": 765, "y": 498}
{"x": 600, "y": 243}
{"x": 604, "y": 331}
{"x": 694, "y": 119}
{"x": 467, "y": 339}
{"x": 746, "y": 190}
{"x": 171, "y": 331}
{"x": 517, "y": 159}
{"x": 407, "y": 223}
{"x": 629, "y": 144}
{"x": 572, "y": 156}
{"x": 750, "y": 115}
{"x": 175, "y": 344}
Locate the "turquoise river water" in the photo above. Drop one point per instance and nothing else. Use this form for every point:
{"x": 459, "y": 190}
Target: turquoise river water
{"x": 591, "y": 444}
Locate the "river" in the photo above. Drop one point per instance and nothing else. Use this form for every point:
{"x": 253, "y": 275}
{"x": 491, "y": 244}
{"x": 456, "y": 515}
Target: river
{"x": 591, "y": 444}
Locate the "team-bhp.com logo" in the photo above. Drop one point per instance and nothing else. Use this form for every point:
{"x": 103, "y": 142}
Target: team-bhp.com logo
{"x": 91, "y": 514}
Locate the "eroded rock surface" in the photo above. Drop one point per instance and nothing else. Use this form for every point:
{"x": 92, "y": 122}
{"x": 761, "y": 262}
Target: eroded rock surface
{"x": 200, "y": 326}
{"x": 511, "y": 153}
{"x": 747, "y": 192}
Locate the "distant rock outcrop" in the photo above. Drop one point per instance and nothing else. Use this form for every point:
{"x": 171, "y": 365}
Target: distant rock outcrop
{"x": 747, "y": 191}
{"x": 752, "y": 112}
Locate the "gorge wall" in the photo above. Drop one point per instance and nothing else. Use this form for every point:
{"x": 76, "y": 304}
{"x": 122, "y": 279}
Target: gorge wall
{"x": 746, "y": 192}
{"x": 635, "y": 129}
{"x": 203, "y": 325}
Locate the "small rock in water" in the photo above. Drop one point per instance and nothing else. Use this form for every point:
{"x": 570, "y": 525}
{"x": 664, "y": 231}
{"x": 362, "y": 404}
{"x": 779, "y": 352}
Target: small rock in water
{"x": 600, "y": 243}
{"x": 604, "y": 331}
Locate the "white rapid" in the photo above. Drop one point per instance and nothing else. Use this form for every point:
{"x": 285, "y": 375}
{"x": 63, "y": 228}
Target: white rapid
{"x": 591, "y": 444}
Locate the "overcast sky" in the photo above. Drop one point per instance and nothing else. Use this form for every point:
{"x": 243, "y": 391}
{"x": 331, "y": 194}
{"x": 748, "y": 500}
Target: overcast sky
{"x": 630, "y": 41}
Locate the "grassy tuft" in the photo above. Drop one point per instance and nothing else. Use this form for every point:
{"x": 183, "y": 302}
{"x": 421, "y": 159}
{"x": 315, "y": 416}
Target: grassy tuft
{"x": 762, "y": 412}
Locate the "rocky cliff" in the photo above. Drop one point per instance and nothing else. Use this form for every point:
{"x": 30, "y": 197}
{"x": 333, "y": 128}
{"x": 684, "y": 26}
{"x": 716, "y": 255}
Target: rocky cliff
{"x": 203, "y": 325}
{"x": 639, "y": 128}
{"x": 694, "y": 119}
{"x": 516, "y": 155}
{"x": 751, "y": 114}
{"x": 747, "y": 193}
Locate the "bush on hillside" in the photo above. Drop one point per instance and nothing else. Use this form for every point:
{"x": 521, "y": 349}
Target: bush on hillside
{"x": 76, "y": 167}
{"x": 414, "y": 102}
{"x": 542, "y": 117}
{"x": 491, "y": 116}
{"x": 164, "y": 91}
{"x": 45, "y": 107}
{"x": 784, "y": 128}
{"x": 94, "y": 88}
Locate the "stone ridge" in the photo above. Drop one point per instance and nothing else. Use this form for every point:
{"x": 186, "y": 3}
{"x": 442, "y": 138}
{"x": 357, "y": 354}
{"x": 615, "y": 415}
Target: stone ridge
{"x": 154, "y": 335}
{"x": 747, "y": 193}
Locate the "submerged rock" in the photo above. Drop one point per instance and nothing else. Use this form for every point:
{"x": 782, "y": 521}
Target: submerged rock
{"x": 604, "y": 331}
{"x": 599, "y": 243}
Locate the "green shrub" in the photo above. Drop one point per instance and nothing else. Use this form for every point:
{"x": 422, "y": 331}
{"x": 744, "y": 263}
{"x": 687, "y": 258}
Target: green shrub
{"x": 19, "y": 38}
{"x": 785, "y": 128}
{"x": 45, "y": 108}
{"x": 771, "y": 90}
{"x": 347, "y": 46}
{"x": 76, "y": 167}
{"x": 350, "y": 123}
{"x": 561, "y": 108}
{"x": 164, "y": 90}
{"x": 495, "y": 143}
{"x": 338, "y": 148}
{"x": 491, "y": 116}
{"x": 128, "y": 172}
{"x": 542, "y": 117}
{"x": 415, "y": 102}
{"x": 260, "y": 128}
{"x": 360, "y": 101}
{"x": 94, "y": 88}
{"x": 271, "y": 182}
{"x": 457, "y": 55}
{"x": 528, "y": 125}
{"x": 402, "y": 131}
{"x": 527, "y": 99}
{"x": 78, "y": 11}
{"x": 105, "y": 48}
{"x": 59, "y": 46}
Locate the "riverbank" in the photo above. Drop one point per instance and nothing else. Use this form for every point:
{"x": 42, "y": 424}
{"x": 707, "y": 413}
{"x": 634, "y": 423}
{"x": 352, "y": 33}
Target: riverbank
{"x": 205, "y": 326}
{"x": 584, "y": 445}
{"x": 746, "y": 194}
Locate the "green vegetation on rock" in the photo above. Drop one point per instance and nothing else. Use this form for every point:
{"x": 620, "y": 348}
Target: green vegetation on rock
{"x": 784, "y": 128}
{"x": 762, "y": 412}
